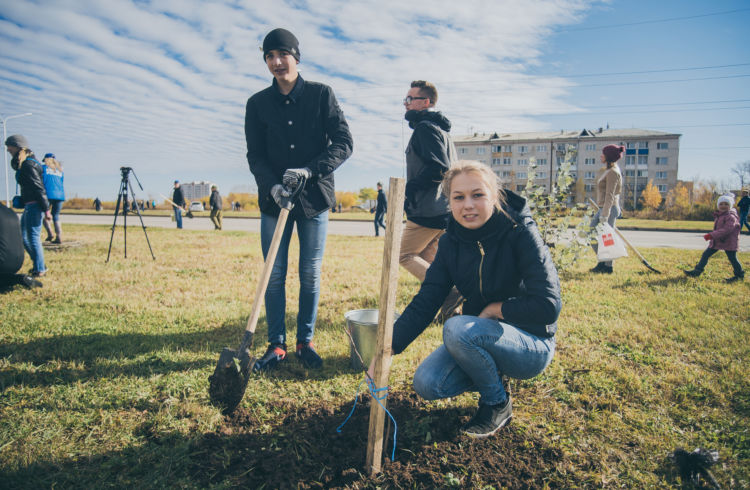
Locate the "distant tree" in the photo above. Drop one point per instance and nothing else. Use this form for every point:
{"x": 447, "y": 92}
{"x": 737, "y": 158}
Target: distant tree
{"x": 651, "y": 197}
{"x": 247, "y": 201}
{"x": 367, "y": 194}
{"x": 705, "y": 192}
{"x": 742, "y": 171}
{"x": 678, "y": 201}
{"x": 346, "y": 199}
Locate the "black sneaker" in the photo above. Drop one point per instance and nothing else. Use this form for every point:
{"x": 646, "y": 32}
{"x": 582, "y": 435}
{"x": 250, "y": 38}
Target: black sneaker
{"x": 307, "y": 355}
{"x": 488, "y": 419}
{"x": 271, "y": 359}
{"x": 692, "y": 273}
{"x": 732, "y": 279}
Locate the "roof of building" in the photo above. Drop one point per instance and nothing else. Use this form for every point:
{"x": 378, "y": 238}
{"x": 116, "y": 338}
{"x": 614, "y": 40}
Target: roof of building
{"x": 564, "y": 135}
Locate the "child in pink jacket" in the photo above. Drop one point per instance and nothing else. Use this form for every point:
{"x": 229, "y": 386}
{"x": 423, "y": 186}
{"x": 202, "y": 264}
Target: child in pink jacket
{"x": 726, "y": 236}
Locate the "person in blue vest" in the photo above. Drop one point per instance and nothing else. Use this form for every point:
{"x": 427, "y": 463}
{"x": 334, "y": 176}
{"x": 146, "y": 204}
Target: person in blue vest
{"x": 34, "y": 198}
{"x": 52, "y": 173}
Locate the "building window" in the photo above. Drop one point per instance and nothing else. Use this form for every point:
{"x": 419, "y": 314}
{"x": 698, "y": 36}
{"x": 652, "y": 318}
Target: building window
{"x": 629, "y": 161}
{"x": 481, "y": 150}
{"x": 506, "y": 174}
{"x": 589, "y": 175}
{"x": 522, "y": 162}
{"x": 522, "y": 148}
{"x": 662, "y": 187}
{"x": 630, "y": 173}
{"x": 520, "y": 175}
{"x": 496, "y": 148}
{"x": 520, "y": 187}
{"x": 589, "y": 187}
{"x": 642, "y": 160}
{"x": 661, "y": 175}
{"x": 661, "y": 160}
{"x": 463, "y": 151}
{"x": 591, "y": 146}
{"x": 507, "y": 161}
{"x": 541, "y": 161}
{"x": 643, "y": 144}
{"x": 541, "y": 175}
{"x": 643, "y": 173}
{"x": 541, "y": 147}
{"x": 496, "y": 161}
{"x": 507, "y": 148}
{"x": 630, "y": 144}
{"x": 662, "y": 146}
{"x": 589, "y": 161}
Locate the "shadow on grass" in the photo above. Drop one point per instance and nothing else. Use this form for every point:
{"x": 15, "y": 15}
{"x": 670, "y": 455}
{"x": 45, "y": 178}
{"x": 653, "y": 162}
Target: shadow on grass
{"x": 303, "y": 450}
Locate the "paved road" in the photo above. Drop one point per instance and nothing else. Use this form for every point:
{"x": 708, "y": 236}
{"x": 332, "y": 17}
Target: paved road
{"x": 646, "y": 239}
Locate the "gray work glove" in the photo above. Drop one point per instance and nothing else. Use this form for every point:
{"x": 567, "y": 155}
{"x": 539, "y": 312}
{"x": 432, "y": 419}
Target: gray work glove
{"x": 281, "y": 194}
{"x": 294, "y": 176}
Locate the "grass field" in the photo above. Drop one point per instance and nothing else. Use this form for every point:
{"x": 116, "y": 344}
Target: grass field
{"x": 103, "y": 376}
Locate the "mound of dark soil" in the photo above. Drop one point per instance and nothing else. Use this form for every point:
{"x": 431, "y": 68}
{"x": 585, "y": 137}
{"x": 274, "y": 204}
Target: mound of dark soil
{"x": 304, "y": 450}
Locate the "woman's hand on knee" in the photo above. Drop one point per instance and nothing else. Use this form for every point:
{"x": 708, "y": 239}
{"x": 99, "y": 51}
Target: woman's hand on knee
{"x": 493, "y": 310}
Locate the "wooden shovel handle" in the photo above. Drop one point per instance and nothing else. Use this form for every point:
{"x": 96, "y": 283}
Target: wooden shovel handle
{"x": 252, "y": 322}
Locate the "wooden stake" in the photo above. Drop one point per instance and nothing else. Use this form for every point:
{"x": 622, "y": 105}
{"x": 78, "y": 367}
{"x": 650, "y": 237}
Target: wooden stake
{"x": 388, "y": 283}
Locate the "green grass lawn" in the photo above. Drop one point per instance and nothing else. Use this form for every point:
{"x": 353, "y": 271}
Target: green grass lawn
{"x": 103, "y": 371}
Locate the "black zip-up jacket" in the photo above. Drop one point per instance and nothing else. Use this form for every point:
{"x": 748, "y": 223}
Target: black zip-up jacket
{"x": 178, "y": 197}
{"x": 382, "y": 206}
{"x": 215, "y": 200}
{"x": 504, "y": 260}
{"x": 744, "y": 204}
{"x": 305, "y": 128}
{"x": 31, "y": 181}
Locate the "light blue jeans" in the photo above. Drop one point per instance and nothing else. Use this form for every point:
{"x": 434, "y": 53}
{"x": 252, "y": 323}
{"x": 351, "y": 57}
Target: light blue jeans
{"x": 614, "y": 212}
{"x": 178, "y": 216}
{"x": 312, "y": 241}
{"x": 475, "y": 354}
{"x": 31, "y": 228}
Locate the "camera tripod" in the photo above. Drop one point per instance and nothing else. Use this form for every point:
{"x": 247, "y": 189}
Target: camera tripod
{"x": 122, "y": 197}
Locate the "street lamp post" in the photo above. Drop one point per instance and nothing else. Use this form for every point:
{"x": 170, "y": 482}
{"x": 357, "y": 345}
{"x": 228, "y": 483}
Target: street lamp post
{"x": 7, "y": 187}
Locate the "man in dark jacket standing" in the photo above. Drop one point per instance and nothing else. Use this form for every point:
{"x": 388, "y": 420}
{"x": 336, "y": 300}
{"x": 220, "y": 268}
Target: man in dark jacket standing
{"x": 179, "y": 200}
{"x": 215, "y": 202}
{"x": 380, "y": 209}
{"x": 428, "y": 156}
{"x": 743, "y": 206}
{"x": 296, "y": 135}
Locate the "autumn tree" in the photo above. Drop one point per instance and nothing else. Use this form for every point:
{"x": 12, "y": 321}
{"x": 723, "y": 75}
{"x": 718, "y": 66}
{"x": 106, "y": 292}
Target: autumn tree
{"x": 678, "y": 201}
{"x": 651, "y": 197}
{"x": 347, "y": 199}
{"x": 367, "y": 194}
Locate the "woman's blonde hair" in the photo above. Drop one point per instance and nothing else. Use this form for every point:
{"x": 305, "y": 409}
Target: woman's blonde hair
{"x": 487, "y": 176}
{"x": 53, "y": 164}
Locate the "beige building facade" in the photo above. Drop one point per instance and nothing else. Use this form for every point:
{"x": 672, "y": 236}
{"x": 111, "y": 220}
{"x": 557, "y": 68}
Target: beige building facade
{"x": 650, "y": 156}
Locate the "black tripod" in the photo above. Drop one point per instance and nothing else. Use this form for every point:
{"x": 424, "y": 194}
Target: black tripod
{"x": 122, "y": 197}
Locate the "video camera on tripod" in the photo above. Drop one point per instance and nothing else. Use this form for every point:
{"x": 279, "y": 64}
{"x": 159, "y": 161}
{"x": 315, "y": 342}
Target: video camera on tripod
{"x": 122, "y": 198}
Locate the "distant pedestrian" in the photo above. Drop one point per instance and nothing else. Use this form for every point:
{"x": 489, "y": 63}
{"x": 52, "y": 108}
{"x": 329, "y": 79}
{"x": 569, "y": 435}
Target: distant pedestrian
{"x": 52, "y": 172}
{"x": 726, "y": 236}
{"x": 179, "y": 200}
{"x": 743, "y": 207}
{"x": 215, "y": 203}
{"x": 153, "y": 203}
{"x": 339, "y": 207}
{"x": 97, "y": 204}
{"x": 381, "y": 208}
{"x": 35, "y": 204}
{"x": 608, "y": 189}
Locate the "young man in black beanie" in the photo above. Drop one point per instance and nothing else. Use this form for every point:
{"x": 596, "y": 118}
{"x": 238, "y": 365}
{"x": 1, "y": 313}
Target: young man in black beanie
{"x": 296, "y": 135}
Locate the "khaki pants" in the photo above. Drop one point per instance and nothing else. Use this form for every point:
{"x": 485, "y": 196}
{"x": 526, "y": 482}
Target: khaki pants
{"x": 418, "y": 248}
{"x": 216, "y": 218}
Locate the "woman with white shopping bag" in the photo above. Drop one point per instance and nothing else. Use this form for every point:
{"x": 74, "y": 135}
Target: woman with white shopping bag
{"x": 608, "y": 189}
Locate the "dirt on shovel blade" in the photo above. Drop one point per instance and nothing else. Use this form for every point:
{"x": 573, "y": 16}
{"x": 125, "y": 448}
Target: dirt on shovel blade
{"x": 228, "y": 383}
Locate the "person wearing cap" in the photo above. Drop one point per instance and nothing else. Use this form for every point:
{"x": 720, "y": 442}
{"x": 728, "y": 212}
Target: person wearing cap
{"x": 296, "y": 136}
{"x": 52, "y": 172}
{"x": 215, "y": 203}
{"x": 608, "y": 190}
{"x": 380, "y": 209}
{"x": 725, "y": 236}
{"x": 34, "y": 197}
{"x": 179, "y": 200}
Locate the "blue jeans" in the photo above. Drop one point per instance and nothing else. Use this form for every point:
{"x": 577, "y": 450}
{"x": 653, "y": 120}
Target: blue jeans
{"x": 31, "y": 228}
{"x": 312, "y": 241}
{"x": 743, "y": 221}
{"x": 379, "y": 221}
{"x": 614, "y": 212}
{"x": 475, "y": 353}
{"x": 178, "y": 216}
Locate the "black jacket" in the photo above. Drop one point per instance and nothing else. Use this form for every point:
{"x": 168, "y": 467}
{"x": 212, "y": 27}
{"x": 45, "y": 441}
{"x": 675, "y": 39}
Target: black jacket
{"x": 305, "y": 128}
{"x": 504, "y": 260}
{"x": 178, "y": 197}
{"x": 744, "y": 204}
{"x": 382, "y": 206}
{"x": 215, "y": 200}
{"x": 29, "y": 178}
{"x": 11, "y": 243}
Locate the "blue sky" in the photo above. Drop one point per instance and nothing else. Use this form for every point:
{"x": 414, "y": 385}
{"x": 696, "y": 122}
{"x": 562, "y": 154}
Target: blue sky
{"x": 161, "y": 86}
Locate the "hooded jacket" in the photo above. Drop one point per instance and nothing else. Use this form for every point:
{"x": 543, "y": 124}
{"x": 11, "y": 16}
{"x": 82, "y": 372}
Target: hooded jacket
{"x": 726, "y": 234}
{"x": 428, "y": 156}
{"x": 29, "y": 178}
{"x": 504, "y": 260}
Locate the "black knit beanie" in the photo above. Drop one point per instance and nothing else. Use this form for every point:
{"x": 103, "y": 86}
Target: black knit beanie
{"x": 283, "y": 40}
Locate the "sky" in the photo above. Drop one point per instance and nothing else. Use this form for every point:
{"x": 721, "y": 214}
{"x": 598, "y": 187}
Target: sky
{"x": 161, "y": 86}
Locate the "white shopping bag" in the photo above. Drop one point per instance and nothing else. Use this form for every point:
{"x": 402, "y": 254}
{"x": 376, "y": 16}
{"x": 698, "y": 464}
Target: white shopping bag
{"x": 611, "y": 246}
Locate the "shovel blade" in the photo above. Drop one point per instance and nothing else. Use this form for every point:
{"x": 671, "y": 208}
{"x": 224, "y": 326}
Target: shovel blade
{"x": 228, "y": 383}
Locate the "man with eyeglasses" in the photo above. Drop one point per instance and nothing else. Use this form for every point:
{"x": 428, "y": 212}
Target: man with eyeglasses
{"x": 296, "y": 135}
{"x": 428, "y": 156}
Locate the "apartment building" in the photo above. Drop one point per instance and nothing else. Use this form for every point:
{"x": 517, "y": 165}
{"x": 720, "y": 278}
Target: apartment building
{"x": 649, "y": 156}
{"x": 194, "y": 191}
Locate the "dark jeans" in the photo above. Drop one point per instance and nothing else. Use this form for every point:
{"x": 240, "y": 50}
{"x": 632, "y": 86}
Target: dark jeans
{"x": 743, "y": 221}
{"x": 379, "y": 221}
{"x": 731, "y": 255}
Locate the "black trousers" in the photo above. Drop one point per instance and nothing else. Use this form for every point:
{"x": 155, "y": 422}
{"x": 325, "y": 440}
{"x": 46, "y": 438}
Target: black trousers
{"x": 731, "y": 255}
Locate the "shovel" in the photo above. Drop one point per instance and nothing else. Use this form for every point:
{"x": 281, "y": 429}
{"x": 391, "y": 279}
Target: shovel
{"x": 643, "y": 260}
{"x": 228, "y": 383}
{"x": 188, "y": 213}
